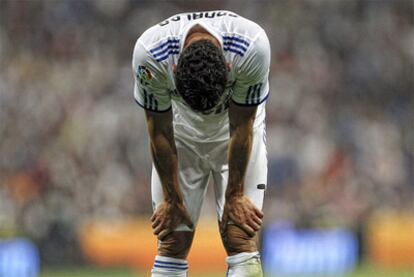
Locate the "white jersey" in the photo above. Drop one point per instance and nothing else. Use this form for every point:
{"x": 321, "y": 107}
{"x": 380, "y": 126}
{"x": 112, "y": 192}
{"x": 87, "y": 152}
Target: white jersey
{"x": 246, "y": 48}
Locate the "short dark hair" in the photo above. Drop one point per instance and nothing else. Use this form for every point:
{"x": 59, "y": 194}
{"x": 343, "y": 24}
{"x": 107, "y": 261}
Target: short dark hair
{"x": 201, "y": 75}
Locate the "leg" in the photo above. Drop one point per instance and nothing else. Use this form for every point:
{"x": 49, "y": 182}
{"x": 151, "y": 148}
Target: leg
{"x": 172, "y": 254}
{"x": 173, "y": 250}
{"x": 236, "y": 241}
{"x": 176, "y": 245}
{"x": 243, "y": 256}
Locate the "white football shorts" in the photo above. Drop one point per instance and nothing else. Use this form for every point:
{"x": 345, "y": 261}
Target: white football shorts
{"x": 197, "y": 161}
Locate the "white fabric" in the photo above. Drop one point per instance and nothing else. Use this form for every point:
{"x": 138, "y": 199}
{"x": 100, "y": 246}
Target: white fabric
{"x": 244, "y": 265}
{"x": 196, "y": 161}
{"x": 166, "y": 266}
{"x": 246, "y": 48}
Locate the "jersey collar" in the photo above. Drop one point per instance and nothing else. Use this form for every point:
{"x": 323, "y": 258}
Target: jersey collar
{"x": 206, "y": 26}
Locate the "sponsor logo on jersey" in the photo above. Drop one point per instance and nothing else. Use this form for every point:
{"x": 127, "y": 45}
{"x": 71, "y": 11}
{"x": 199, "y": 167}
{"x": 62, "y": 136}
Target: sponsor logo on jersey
{"x": 144, "y": 74}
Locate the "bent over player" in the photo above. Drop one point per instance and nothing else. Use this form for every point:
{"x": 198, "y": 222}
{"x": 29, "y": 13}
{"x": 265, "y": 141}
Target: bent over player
{"x": 202, "y": 79}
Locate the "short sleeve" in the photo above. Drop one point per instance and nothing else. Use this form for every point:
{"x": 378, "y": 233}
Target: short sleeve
{"x": 151, "y": 90}
{"x": 252, "y": 84}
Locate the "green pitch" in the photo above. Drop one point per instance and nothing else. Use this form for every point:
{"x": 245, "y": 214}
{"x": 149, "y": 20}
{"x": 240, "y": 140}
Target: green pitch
{"x": 364, "y": 271}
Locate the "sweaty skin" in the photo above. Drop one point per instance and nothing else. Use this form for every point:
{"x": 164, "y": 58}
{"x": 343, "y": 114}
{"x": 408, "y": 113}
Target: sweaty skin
{"x": 237, "y": 237}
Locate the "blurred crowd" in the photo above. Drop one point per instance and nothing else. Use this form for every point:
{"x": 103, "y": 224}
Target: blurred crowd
{"x": 73, "y": 144}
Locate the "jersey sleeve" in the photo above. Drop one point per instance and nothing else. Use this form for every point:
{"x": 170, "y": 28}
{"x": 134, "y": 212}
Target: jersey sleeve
{"x": 151, "y": 90}
{"x": 252, "y": 84}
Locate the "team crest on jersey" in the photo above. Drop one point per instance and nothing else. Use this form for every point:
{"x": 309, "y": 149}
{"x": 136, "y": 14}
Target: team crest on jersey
{"x": 144, "y": 74}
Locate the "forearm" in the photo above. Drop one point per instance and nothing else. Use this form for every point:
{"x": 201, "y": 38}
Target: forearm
{"x": 240, "y": 146}
{"x": 164, "y": 154}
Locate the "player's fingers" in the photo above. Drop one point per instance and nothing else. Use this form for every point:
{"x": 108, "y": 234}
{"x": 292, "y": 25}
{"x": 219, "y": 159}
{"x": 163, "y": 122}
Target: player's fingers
{"x": 163, "y": 234}
{"x": 254, "y": 225}
{"x": 248, "y": 230}
{"x": 158, "y": 229}
{"x": 154, "y": 215}
{"x": 235, "y": 219}
{"x": 156, "y": 222}
{"x": 258, "y": 212}
{"x": 256, "y": 219}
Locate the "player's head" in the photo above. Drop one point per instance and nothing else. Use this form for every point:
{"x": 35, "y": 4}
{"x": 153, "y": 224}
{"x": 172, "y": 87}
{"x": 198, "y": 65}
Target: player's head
{"x": 201, "y": 75}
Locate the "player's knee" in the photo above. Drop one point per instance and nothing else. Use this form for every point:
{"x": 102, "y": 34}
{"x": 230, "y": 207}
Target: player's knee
{"x": 236, "y": 241}
{"x": 176, "y": 245}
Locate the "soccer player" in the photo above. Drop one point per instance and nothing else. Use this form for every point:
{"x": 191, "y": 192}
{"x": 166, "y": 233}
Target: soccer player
{"x": 202, "y": 79}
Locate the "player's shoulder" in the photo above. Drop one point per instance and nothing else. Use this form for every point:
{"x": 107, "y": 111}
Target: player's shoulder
{"x": 157, "y": 44}
{"x": 161, "y": 35}
{"x": 244, "y": 37}
{"x": 240, "y": 26}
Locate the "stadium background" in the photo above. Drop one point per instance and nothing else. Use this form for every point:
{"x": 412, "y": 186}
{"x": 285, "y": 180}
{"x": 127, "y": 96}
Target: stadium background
{"x": 74, "y": 159}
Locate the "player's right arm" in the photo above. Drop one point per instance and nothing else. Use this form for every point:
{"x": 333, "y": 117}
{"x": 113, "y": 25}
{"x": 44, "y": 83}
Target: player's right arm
{"x": 172, "y": 211}
{"x": 151, "y": 93}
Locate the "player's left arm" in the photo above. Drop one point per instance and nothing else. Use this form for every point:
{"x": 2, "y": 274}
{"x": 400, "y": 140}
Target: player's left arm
{"x": 250, "y": 90}
{"x": 238, "y": 207}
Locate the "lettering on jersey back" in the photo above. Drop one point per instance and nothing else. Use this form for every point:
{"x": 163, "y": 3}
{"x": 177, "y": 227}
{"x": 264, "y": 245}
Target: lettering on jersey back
{"x": 198, "y": 15}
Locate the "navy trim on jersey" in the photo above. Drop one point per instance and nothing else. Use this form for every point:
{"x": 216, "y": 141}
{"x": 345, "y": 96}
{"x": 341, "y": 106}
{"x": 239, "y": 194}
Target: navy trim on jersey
{"x": 252, "y": 105}
{"x": 150, "y": 101}
{"x": 148, "y": 109}
{"x": 233, "y": 51}
{"x": 233, "y": 38}
{"x": 169, "y": 53}
{"x": 235, "y": 44}
{"x": 253, "y": 94}
{"x": 169, "y": 41}
{"x": 169, "y": 47}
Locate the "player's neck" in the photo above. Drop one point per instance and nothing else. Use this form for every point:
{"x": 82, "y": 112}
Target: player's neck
{"x": 199, "y": 33}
